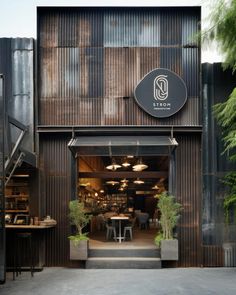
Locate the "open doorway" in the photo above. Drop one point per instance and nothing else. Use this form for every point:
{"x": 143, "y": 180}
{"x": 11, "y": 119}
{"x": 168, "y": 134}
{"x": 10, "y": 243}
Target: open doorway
{"x": 125, "y": 186}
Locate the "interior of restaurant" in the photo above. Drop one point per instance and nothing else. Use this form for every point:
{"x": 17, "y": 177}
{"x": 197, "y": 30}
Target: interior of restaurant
{"x": 125, "y": 186}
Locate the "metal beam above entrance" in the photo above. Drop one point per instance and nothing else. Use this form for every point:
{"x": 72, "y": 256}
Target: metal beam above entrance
{"x": 122, "y": 145}
{"x": 123, "y": 174}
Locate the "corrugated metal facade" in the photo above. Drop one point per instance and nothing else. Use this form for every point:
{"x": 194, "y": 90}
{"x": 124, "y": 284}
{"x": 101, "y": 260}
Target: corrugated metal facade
{"x": 189, "y": 194}
{"x": 55, "y": 167}
{"x": 55, "y": 178}
{"x": 17, "y": 65}
{"x": 90, "y": 61}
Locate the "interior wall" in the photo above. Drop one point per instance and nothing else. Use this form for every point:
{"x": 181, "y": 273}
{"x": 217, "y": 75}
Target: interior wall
{"x": 90, "y": 164}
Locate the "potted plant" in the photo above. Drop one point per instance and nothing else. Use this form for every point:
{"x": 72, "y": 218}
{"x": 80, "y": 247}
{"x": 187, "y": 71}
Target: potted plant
{"x": 79, "y": 240}
{"x": 170, "y": 213}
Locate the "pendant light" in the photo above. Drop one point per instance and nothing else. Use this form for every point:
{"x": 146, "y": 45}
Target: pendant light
{"x": 126, "y": 164}
{"x": 155, "y": 187}
{"x": 112, "y": 182}
{"x": 113, "y": 166}
{"x": 140, "y": 166}
{"x": 124, "y": 180}
{"x": 138, "y": 181}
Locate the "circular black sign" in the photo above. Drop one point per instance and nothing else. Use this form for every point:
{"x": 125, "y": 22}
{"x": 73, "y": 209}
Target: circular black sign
{"x": 161, "y": 93}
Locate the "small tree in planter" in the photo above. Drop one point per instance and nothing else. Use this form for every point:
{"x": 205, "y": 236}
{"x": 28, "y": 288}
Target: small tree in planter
{"x": 78, "y": 241}
{"x": 170, "y": 213}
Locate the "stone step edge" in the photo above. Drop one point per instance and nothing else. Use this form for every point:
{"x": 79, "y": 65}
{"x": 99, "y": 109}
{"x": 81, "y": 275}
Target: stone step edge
{"x": 124, "y": 258}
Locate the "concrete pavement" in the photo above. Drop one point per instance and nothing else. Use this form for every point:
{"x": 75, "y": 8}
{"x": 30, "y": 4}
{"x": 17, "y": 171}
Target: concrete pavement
{"x": 62, "y": 281}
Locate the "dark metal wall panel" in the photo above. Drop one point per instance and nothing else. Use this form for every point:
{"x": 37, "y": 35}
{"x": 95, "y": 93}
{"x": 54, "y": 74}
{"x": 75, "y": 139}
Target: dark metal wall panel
{"x": 212, "y": 256}
{"x": 6, "y": 64}
{"x": 189, "y": 194}
{"x": 217, "y": 86}
{"x": 55, "y": 192}
{"x": 55, "y": 167}
{"x": 2, "y": 183}
{"x": 95, "y": 57}
{"x": 17, "y": 65}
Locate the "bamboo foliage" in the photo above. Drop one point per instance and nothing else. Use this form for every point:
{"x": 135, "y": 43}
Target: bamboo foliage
{"x": 170, "y": 213}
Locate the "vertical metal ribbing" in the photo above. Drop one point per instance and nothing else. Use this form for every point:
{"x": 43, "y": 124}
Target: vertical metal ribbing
{"x": 90, "y": 59}
{"x": 55, "y": 195}
{"x": 188, "y": 190}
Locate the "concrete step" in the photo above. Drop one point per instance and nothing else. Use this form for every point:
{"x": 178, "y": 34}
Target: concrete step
{"x": 124, "y": 253}
{"x": 123, "y": 263}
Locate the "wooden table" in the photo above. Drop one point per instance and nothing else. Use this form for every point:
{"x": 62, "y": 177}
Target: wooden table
{"x": 120, "y": 218}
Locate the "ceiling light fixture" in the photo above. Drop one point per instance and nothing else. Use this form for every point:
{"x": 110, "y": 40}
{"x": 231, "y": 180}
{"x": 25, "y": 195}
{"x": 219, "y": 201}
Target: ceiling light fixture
{"x": 156, "y": 187}
{"x": 126, "y": 164}
{"x": 139, "y": 166}
{"x": 124, "y": 180}
{"x": 121, "y": 189}
{"x": 113, "y": 166}
{"x": 138, "y": 181}
{"x": 112, "y": 182}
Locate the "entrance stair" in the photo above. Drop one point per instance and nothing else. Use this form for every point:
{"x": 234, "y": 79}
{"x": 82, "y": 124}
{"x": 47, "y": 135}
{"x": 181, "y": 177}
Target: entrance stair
{"x": 123, "y": 259}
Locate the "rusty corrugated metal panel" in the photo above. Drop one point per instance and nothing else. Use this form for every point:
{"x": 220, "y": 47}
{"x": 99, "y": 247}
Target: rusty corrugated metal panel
{"x": 17, "y": 65}
{"x": 189, "y": 194}
{"x": 55, "y": 179}
{"x": 56, "y": 191}
{"x": 103, "y": 54}
{"x": 213, "y": 256}
{"x": 72, "y": 86}
{"x": 131, "y": 28}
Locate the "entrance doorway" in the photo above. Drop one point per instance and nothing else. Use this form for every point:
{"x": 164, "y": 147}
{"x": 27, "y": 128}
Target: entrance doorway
{"x": 122, "y": 176}
{"x": 125, "y": 186}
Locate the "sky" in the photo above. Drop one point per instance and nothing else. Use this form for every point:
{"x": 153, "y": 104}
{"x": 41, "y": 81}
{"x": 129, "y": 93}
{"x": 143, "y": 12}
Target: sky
{"x": 18, "y": 17}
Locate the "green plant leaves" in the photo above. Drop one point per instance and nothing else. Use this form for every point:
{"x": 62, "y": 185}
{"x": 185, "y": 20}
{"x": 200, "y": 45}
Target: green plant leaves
{"x": 78, "y": 217}
{"x": 170, "y": 214}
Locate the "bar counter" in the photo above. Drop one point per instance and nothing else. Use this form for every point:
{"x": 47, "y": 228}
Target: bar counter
{"x": 29, "y": 226}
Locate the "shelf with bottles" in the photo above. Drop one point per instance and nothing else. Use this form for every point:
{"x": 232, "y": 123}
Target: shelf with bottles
{"x": 16, "y": 198}
{"x": 114, "y": 200}
{"x": 17, "y": 203}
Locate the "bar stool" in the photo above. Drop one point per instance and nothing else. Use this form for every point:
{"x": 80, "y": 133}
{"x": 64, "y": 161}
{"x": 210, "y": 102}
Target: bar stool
{"x": 129, "y": 229}
{"x": 23, "y": 241}
{"x": 111, "y": 231}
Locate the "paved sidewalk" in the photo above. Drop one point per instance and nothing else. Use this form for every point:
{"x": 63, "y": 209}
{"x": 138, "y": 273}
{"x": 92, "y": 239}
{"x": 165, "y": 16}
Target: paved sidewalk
{"x": 67, "y": 281}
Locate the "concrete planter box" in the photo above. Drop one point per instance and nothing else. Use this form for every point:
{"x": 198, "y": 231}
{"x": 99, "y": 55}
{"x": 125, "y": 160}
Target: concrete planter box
{"x": 79, "y": 252}
{"x": 169, "y": 250}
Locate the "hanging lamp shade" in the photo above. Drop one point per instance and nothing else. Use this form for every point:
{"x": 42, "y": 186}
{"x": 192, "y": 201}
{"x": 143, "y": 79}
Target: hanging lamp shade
{"x": 124, "y": 180}
{"x": 126, "y": 164}
{"x": 113, "y": 166}
{"x": 112, "y": 182}
{"x": 140, "y": 166}
{"x": 138, "y": 181}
